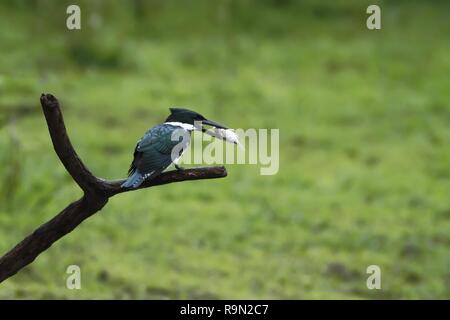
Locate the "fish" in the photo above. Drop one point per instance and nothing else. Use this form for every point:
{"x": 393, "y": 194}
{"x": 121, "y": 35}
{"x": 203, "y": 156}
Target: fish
{"x": 228, "y": 135}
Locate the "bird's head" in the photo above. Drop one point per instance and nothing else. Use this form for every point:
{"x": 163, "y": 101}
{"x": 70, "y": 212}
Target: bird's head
{"x": 191, "y": 117}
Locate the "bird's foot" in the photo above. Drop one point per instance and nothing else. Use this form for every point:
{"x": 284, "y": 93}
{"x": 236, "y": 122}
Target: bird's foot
{"x": 179, "y": 168}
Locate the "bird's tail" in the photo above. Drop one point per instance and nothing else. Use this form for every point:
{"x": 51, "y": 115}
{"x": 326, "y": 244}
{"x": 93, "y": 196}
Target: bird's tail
{"x": 134, "y": 180}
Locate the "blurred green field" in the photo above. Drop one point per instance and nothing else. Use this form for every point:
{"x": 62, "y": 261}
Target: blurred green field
{"x": 364, "y": 119}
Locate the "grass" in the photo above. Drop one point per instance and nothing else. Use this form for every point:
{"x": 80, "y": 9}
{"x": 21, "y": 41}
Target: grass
{"x": 364, "y": 158}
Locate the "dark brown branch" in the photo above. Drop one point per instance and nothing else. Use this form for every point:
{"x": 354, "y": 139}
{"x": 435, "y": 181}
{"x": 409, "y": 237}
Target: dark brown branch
{"x": 97, "y": 191}
{"x": 63, "y": 146}
{"x": 113, "y": 187}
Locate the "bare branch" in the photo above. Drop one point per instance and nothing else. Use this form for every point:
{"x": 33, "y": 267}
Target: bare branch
{"x": 113, "y": 187}
{"x": 43, "y": 237}
{"x": 63, "y": 147}
{"x": 97, "y": 191}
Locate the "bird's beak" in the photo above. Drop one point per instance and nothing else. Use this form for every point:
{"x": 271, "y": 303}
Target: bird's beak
{"x": 214, "y": 124}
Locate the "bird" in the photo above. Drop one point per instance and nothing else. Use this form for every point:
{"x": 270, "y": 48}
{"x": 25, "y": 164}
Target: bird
{"x": 154, "y": 151}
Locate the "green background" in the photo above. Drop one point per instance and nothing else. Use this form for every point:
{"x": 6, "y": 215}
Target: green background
{"x": 364, "y": 121}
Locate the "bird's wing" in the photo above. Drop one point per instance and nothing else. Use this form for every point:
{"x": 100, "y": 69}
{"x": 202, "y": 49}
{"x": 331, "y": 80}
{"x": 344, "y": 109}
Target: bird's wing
{"x": 153, "y": 151}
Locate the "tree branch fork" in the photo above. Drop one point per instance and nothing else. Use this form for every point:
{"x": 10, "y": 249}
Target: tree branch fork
{"x": 97, "y": 192}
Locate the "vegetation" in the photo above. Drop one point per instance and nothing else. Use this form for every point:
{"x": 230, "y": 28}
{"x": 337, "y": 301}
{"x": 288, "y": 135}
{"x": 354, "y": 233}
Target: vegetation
{"x": 364, "y": 147}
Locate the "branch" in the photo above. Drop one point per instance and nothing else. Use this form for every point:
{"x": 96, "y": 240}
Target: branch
{"x": 63, "y": 147}
{"x": 97, "y": 192}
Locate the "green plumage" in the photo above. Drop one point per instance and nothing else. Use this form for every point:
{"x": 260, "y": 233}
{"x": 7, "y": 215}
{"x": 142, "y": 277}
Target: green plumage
{"x": 153, "y": 153}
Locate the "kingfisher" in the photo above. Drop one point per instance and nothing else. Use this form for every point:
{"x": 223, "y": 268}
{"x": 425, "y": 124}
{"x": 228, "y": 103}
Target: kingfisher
{"x": 154, "y": 152}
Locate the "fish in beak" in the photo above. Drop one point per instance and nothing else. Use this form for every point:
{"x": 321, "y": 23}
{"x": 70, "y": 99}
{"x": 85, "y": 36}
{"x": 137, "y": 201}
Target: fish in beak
{"x": 221, "y": 132}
